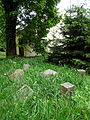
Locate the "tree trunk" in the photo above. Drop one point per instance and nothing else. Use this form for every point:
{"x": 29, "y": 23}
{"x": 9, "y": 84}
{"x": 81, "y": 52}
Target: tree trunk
{"x": 11, "y": 35}
{"x": 11, "y": 18}
{"x": 21, "y": 49}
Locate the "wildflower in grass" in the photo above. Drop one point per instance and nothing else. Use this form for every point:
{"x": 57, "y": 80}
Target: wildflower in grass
{"x": 14, "y": 103}
{"x": 5, "y": 74}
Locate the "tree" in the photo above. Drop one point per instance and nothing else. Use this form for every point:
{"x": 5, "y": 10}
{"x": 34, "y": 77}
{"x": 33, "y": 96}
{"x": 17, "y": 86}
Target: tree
{"x": 12, "y": 9}
{"x": 76, "y": 45}
{"x": 37, "y": 19}
{"x": 2, "y": 29}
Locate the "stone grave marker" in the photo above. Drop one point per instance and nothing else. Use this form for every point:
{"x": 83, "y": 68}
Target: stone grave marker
{"x": 67, "y": 88}
{"x": 49, "y": 72}
{"x": 18, "y": 73}
{"x": 82, "y": 72}
{"x": 26, "y": 66}
{"x": 23, "y": 93}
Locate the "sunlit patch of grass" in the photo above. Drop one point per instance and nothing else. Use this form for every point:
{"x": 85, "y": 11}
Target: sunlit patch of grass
{"x": 46, "y": 103}
{"x": 2, "y": 55}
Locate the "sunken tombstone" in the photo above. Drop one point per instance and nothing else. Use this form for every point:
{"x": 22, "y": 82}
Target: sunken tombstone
{"x": 49, "y": 72}
{"x": 26, "y": 66}
{"x": 23, "y": 93}
{"x": 82, "y": 72}
{"x": 67, "y": 88}
{"x": 18, "y": 73}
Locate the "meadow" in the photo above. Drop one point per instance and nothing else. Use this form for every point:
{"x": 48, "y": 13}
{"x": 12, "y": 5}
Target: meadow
{"x": 46, "y": 102}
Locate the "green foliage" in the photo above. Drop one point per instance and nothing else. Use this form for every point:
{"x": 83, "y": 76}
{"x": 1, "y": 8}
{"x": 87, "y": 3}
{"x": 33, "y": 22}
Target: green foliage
{"x": 46, "y": 103}
{"x": 37, "y": 15}
{"x": 76, "y": 42}
{"x": 2, "y": 55}
{"x": 2, "y": 29}
{"x": 37, "y": 20}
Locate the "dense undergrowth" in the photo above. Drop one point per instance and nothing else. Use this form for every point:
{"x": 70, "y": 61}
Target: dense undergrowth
{"x": 46, "y": 103}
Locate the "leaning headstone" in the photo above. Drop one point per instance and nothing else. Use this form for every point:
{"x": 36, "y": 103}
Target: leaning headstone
{"x": 49, "y": 72}
{"x": 26, "y": 66}
{"x": 67, "y": 88}
{"x": 82, "y": 72}
{"x": 18, "y": 73}
{"x": 23, "y": 93}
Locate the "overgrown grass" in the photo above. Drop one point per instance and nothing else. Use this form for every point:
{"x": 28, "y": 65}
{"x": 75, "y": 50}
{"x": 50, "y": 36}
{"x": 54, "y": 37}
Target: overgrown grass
{"x": 46, "y": 103}
{"x": 2, "y": 55}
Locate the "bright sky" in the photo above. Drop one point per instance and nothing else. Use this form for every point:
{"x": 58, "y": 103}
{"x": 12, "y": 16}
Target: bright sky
{"x": 64, "y": 4}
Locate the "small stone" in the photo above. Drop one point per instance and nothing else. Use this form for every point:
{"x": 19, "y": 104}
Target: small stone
{"x": 19, "y": 73}
{"x": 26, "y": 66}
{"x": 49, "y": 72}
{"x": 67, "y": 88}
{"x": 82, "y": 72}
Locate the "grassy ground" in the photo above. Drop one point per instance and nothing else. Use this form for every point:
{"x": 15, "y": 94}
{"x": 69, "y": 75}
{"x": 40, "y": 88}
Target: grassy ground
{"x": 46, "y": 102}
{"x": 2, "y": 55}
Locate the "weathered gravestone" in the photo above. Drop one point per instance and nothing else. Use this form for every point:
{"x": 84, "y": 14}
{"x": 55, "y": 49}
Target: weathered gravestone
{"x": 23, "y": 93}
{"x": 26, "y": 66}
{"x": 67, "y": 88}
{"x": 18, "y": 73}
{"x": 82, "y": 72}
{"x": 49, "y": 72}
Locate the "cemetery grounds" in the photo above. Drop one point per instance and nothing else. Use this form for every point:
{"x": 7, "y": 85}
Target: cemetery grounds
{"x": 46, "y": 101}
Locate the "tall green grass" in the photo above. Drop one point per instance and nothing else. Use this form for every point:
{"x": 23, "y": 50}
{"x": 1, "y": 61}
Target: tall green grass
{"x": 2, "y": 55}
{"x": 46, "y": 103}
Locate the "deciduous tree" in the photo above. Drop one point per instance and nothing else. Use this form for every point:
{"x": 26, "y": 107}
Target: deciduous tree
{"x": 12, "y": 10}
